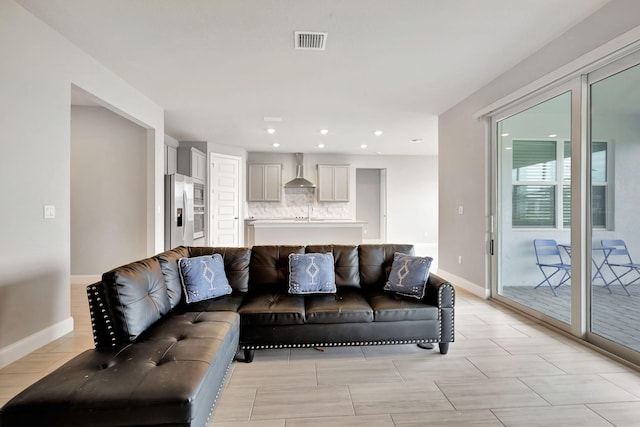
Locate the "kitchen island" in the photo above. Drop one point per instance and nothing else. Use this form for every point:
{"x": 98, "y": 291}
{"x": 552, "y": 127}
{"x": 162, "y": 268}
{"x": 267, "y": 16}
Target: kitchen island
{"x": 303, "y": 232}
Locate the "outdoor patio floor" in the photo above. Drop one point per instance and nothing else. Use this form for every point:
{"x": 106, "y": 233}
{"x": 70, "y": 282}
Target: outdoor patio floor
{"x": 615, "y": 315}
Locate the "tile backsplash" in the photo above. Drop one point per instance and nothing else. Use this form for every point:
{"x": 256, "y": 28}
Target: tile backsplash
{"x": 295, "y": 202}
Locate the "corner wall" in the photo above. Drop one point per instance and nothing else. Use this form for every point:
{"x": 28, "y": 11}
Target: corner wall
{"x": 38, "y": 70}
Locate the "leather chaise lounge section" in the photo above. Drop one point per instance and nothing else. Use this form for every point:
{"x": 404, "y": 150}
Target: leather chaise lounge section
{"x": 159, "y": 361}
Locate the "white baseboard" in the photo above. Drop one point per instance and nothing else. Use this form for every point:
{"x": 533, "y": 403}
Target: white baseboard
{"x": 475, "y": 289}
{"x": 26, "y": 345}
{"x": 86, "y": 279}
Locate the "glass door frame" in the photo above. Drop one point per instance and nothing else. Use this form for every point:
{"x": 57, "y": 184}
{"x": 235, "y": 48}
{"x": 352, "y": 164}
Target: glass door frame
{"x": 595, "y": 76}
{"x": 580, "y": 268}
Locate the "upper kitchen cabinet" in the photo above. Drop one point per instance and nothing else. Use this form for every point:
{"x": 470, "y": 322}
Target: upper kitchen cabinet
{"x": 170, "y": 160}
{"x": 265, "y": 182}
{"x": 192, "y": 162}
{"x": 333, "y": 183}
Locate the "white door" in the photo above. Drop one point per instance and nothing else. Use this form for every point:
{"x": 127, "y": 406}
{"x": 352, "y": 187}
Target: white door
{"x": 224, "y": 201}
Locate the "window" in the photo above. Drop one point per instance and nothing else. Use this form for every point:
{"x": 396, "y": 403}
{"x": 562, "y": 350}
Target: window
{"x": 540, "y": 170}
{"x": 598, "y": 185}
{"x": 535, "y": 179}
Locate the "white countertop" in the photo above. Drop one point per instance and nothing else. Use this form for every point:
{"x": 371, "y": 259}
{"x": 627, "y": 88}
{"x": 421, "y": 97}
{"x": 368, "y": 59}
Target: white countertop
{"x": 304, "y": 223}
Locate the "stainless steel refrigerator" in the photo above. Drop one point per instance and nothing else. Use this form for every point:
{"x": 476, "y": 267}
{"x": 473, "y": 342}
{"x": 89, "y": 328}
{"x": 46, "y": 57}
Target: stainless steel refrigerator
{"x": 178, "y": 203}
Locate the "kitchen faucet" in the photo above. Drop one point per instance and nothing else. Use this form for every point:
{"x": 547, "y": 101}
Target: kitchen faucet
{"x": 309, "y": 212}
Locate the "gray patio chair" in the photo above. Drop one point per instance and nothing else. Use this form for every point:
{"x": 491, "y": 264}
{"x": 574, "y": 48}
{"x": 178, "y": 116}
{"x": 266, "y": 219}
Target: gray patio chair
{"x": 620, "y": 262}
{"x": 549, "y": 260}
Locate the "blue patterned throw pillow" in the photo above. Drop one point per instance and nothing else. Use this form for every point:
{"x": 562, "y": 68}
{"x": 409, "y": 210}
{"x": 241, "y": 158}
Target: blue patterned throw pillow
{"x": 311, "y": 274}
{"x": 203, "y": 277}
{"x": 409, "y": 275}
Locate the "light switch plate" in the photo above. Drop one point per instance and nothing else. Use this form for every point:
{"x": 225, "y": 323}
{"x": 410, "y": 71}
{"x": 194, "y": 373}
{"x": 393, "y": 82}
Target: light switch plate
{"x": 49, "y": 212}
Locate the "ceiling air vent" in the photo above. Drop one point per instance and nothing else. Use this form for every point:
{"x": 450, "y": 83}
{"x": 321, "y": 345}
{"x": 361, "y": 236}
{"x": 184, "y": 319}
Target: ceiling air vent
{"x": 308, "y": 40}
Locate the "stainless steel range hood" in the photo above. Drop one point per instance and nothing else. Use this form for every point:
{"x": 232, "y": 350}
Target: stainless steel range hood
{"x": 299, "y": 181}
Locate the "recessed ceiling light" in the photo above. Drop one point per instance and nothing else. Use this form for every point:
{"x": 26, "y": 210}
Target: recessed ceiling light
{"x": 553, "y": 135}
{"x": 363, "y": 146}
{"x": 324, "y": 131}
{"x": 320, "y": 145}
{"x": 415, "y": 140}
{"x": 504, "y": 134}
{"x": 271, "y": 131}
{"x": 276, "y": 145}
{"x": 378, "y": 133}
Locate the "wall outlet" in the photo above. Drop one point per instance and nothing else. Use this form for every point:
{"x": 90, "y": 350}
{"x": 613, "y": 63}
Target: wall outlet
{"x": 459, "y": 259}
{"x": 49, "y": 212}
{"x": 460, "y": 209}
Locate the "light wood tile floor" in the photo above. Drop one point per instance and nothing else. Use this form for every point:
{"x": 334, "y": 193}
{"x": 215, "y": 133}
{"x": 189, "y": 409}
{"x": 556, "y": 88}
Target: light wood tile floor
{"x": 503, "y": 370}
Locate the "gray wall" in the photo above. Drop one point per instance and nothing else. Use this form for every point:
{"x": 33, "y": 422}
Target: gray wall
{"x": 38, "y": 70}
{"x": 108, "y": 187}
{"x": 464, "y": 167}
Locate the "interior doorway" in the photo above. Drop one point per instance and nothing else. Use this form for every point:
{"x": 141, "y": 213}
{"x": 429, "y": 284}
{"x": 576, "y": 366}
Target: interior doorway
{"x": 371, "y": 203}
{"x": 101, "y": 142}
{"x": 224, "y": 200}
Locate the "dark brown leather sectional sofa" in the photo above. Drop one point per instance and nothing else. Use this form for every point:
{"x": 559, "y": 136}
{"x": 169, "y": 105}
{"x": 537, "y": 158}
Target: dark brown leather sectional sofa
{"x": 150, "y": 368}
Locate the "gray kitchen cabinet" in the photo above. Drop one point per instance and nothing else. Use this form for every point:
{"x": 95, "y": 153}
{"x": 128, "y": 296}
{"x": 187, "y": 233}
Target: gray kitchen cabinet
{"x": 192, "y": 162}
{"x": 333, "y": 183}
{"x": 171, "y": 160}
{"x": 265, "y": 182}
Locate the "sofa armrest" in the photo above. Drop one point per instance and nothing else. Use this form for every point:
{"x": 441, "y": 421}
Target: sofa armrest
{"x": 442, "y": 294}
{"x": 439, "y": 292}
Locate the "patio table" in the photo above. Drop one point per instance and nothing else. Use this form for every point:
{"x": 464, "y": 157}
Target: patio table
{"x": 598, "y": 265}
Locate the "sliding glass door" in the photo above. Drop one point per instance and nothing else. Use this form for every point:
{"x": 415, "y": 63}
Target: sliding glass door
{"x": 615, "y": 203}
{"x": 565, "y": 237}
{"x": 534, "y": 194}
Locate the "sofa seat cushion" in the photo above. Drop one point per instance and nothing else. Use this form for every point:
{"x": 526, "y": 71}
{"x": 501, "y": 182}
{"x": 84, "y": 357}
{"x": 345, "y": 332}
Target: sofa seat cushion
{"x": 166, "y": 378}
{"x": 388, "y": 307}
{"x": 269, "y": 308}
{"x": 346, "y": 306}
{"x": 182, "y": 327}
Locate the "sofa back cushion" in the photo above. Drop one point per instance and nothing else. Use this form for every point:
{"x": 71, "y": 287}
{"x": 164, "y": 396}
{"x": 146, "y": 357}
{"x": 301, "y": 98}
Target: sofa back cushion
{"x": 137, "y": 297}
{"x": 236, "y": 264}
{"x": 346, "y": 264}
{"x": 169, "y": 265}
{"x": 269, "y": 268}
{"x": 375, "y": 263}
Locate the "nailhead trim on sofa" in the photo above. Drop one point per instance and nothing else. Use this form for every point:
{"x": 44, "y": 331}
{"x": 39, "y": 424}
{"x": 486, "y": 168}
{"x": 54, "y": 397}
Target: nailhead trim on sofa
{"x": 336, "y": 344}
{"x": 99, "y": 314}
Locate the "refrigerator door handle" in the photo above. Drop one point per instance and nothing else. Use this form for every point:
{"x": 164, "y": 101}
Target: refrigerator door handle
{"x": 186, "y": 214}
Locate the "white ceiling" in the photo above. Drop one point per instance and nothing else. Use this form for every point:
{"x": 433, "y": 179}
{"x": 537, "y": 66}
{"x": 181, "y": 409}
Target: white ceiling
{"x": 218, "y": 67}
